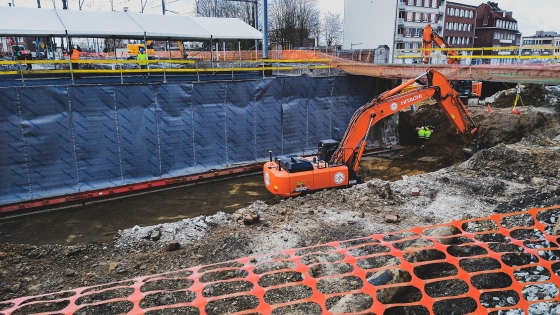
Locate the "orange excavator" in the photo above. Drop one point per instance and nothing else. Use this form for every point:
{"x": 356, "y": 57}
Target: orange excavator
{"x": 466, "y": 88}
{"x": 336, "y": 163}
{"x": 431, "y": 36}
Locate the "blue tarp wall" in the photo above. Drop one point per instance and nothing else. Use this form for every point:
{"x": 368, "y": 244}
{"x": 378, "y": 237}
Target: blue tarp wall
{"x": 59, "y": 140}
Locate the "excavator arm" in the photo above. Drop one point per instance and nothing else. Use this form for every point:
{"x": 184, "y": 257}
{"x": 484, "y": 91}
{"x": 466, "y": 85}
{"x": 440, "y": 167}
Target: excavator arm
{"x": 336, "y": 163}
{"x": 353, "y": 142}
{"x": 431, "y": 36}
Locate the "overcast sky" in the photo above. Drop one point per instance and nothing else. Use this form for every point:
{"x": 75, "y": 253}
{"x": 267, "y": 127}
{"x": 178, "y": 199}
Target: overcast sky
{"x": 532, "y": 15}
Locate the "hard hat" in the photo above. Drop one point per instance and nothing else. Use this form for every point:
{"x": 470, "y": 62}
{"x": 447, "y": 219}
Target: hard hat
{"x": 141, "y": 49}
{"x": 76, "y": 46}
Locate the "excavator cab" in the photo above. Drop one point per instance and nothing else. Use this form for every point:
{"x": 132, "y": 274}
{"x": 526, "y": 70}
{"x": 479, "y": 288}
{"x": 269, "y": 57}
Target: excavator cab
{"x": 326, "y": 149}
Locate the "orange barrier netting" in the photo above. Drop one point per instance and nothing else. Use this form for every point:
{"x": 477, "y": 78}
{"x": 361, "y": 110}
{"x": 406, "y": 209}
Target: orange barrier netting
{"x": 488, "y": 265}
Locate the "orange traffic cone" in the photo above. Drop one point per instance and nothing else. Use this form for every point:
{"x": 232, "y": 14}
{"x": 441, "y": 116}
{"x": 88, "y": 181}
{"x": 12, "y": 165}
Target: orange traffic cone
{"x": 489, "y": 109}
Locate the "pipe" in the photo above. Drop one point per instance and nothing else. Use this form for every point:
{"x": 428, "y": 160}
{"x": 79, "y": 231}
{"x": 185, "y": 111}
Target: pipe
{"x": 265, "y": 29}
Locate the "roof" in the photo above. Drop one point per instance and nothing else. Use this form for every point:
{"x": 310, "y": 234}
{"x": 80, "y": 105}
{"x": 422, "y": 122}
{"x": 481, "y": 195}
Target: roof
{"x": 169, "y": 26}
{"x": 17, "y": 21}
{"x": 42, "y": 23}
{"x": 227, "y": 28}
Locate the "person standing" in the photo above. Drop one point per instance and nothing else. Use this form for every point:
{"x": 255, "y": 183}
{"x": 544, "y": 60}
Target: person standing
{"x": 427, "y": 135}
{"x": 142, "y": 58}
{"x": 75, "y": 55}
{"x": 422, "y": 135}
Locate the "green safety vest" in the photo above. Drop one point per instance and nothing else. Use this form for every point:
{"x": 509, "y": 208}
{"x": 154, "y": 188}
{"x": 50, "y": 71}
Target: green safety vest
{"x": 421, "y": 133}
{"x": 427, "y": 134}
{"x": 142, "y": 57}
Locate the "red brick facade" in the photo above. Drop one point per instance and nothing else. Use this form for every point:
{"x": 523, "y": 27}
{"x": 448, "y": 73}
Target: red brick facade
{"x": 494, "y": 28}
{"x": 459, "y": 25}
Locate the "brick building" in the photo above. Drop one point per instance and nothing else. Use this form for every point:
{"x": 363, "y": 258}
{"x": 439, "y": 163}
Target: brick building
{"x": 496, "y": 27}
{"x": 459, "y": 27}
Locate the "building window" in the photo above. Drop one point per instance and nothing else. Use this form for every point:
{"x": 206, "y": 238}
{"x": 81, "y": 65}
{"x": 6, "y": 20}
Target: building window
{"x": 418, "y": 3}
{"x": 409, "y": 16}
{"x": 434, "y": 3}
{"x": 462, "y": 13}
{"x": 469, "y": 27}
{"x": 408, "y": 31}
{"x": 418, "y": 17}
{"x": 416, "y": 32}
{"x": 427, "y": 3}
{"x": 425, "y": 17}
{"x": 410, "y": 2}
{"x": 414, "y": 46}
{"x": 449, "y": 11}
{"x": 433, "y": 17}
{"x": 407, "y": 46}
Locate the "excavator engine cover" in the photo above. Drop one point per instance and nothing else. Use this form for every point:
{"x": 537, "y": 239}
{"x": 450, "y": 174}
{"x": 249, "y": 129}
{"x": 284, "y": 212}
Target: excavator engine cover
{"x": 295, "y": 164}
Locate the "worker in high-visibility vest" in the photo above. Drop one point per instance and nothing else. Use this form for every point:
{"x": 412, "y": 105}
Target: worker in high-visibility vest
{"x": 427, "y": 135}
{"x": 75, "y": 55}
{"x": 143, "y": 59}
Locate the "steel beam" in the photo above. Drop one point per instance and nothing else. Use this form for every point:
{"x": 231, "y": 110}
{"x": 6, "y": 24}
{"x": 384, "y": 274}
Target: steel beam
{"x": 498, "y": 73}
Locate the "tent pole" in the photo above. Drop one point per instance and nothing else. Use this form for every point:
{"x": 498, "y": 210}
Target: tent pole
{"x": 70, "y": 58}
{"x": 224, "y": 49}
{"x": 211, "y": 52}
{"x": 169, "y": 49}
{"x": 239, "y": 48}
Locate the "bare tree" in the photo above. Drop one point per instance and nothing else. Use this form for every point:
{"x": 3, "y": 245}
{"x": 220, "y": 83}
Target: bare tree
{"x": 332, "y": 28}
{"x": 291, "y": 22}
{"x": 227, "y": 9}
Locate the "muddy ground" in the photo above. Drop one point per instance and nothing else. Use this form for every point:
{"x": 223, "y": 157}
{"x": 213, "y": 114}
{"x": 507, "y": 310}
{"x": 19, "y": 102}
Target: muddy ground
{"x": 519, "y": 169}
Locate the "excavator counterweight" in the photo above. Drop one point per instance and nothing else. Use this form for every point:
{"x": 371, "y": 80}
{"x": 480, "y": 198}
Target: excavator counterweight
{"x": 336, "y": 163}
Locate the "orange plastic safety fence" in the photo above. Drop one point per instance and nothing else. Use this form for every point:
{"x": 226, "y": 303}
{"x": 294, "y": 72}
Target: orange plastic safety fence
{"x": 479, "y": 266}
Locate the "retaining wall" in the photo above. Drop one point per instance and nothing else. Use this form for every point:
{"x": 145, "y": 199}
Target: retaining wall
{"x": 58, "y": 140}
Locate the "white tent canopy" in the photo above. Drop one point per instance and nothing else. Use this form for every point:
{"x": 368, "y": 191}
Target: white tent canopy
{"x": 33, "y": 22}
{"x": 169, "y": 26}
{"x": 48, "y": 22}
{"x": 227, "y": 28}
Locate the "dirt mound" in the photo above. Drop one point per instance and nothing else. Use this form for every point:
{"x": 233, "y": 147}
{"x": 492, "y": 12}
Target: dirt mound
{"x": 531, "y": 95}
{"x": 500, "y": 126}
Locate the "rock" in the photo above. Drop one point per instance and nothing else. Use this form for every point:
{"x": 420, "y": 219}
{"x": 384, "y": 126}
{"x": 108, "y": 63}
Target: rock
{"x": 250, "y": 217}
{"x": 441, "y": 231}
{"x": 121, "y": 270}
{"x": 70, "y": 272}
{"x": 156, "y": 235}
{"x": 415, "y": 191}
{"x": 362, "y": 215}
{"x": 3, "y": 255}
{"x": 556, "y": 230}
{"x": 392, "y": 218}
{"x": 113, "y": 265}
{"x": 311, "y": 211}
{"x": 72, "y": 251}
{"x": 173, "y": 245}
{"x": 266, "y": 224}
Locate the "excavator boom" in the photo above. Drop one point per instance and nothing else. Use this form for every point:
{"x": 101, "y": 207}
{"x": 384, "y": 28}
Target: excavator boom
{"x": 431, "y": 36}
{"x": 337, "y": 163}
